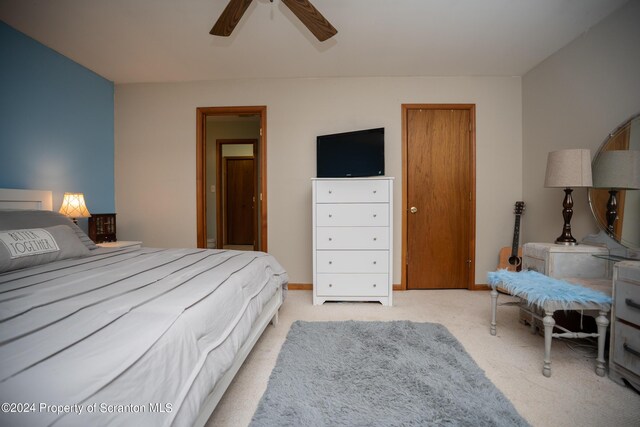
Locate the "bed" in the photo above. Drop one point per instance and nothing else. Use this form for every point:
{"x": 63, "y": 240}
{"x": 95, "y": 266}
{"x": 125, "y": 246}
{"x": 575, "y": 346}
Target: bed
{"x": 124, "y": 336}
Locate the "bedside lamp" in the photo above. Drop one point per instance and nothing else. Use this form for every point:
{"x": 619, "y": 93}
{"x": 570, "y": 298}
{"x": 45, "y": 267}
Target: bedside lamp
{"x": 74, "y": 207}
{"x": 568, "y": 169}
{"x": 616, "y": 170}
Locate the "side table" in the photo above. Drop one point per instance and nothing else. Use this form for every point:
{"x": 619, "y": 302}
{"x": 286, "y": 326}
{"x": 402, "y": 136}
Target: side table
{"x": 121, "y": 244}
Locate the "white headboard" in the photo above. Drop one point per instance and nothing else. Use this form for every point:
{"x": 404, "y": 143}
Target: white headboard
{"x": 26, "y": 199}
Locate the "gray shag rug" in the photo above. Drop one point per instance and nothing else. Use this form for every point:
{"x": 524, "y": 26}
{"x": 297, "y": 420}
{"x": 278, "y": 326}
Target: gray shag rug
{"x": 396, "y": 373}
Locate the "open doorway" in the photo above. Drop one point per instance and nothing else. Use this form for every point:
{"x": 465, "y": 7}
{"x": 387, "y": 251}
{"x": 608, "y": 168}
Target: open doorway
{"x": 236, "y": 189}
{"x": 231, "y": 178}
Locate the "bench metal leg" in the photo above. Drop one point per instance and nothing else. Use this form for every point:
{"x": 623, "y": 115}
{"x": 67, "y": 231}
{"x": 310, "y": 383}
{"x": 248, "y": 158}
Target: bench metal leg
{"x": 602, "y": 323}
{"x": 548, "y": 322}
{"x": 494, "y": 308}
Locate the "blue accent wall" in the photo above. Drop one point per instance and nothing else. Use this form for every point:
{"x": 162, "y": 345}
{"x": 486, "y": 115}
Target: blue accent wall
{"x": 56, "y": 123}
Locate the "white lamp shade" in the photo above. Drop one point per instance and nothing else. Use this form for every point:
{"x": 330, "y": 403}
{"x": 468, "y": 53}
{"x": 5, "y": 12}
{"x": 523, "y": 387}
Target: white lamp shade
{"x": 73, "y": 206}
{"x": 568, "y": 169}
{"x": 619, "y": 169}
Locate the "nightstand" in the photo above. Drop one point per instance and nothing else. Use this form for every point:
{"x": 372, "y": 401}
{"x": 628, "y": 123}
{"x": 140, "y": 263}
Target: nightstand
{"x": 121, "y": 244}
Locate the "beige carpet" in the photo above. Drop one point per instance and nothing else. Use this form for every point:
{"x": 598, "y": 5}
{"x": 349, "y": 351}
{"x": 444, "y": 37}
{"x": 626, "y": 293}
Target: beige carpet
{"x": 574, "y": 395}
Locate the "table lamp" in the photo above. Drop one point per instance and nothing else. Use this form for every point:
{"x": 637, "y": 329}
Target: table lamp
{"x": 568, "y": 169}
{"x": 74, "y": 207}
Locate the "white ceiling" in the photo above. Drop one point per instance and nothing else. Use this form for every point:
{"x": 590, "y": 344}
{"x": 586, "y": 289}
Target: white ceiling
{"x": 168, "y": 40}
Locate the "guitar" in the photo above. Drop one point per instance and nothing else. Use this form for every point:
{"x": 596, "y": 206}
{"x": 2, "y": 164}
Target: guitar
{"x": 511, "y": 257}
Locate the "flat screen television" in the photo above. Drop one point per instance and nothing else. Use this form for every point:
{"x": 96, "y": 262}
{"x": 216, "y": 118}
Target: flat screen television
{"x": 351, "y": 154}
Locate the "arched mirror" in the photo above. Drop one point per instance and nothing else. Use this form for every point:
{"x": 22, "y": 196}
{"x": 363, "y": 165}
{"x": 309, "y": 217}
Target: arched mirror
{"x": 615, "y": 202}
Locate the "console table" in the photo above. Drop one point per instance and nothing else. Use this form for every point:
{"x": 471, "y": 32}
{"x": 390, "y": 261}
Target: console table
{"x": 562, "y": 261}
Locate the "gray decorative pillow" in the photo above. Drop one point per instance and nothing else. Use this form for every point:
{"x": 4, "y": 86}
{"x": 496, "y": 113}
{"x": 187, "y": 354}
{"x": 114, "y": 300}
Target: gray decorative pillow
{"x": 18, "y": 219}
{"x": 28, "y": 247}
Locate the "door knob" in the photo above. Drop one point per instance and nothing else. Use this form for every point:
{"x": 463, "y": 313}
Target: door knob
{"x": 413, "y": 209}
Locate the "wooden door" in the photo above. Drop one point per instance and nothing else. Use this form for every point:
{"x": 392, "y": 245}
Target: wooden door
{"x": 440, "y": 209}
{"x": 240, "y": 200}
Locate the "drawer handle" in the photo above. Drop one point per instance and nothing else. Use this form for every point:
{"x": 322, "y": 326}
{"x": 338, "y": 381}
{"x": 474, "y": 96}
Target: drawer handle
{"x": 631, "y": 350}
{"x": 632, "y": 303}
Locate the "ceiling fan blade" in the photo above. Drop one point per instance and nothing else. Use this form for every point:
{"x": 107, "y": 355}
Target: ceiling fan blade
{"x": 311, "y": 18}
{"x": 230, "y": 17}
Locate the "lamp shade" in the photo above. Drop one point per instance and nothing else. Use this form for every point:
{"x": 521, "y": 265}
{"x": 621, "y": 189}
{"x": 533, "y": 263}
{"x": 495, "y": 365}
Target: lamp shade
{"x": 568, "y": 168}
{"x": 618, "y": 169}
{"x": 73, "y": 206}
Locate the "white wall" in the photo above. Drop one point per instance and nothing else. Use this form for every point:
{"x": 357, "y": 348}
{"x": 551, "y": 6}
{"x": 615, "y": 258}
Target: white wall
{"x": 573, "y": 100}
{"x": 155, "y": 141}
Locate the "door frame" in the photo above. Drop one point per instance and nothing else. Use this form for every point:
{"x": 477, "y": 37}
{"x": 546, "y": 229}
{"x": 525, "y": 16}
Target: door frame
{"x": 471, "y": 285}
{"x": 220, "y": 213}
{"x": 201, "y": 182}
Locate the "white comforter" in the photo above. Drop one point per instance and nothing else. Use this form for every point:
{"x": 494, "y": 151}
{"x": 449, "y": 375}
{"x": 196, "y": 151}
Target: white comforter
{"x": 126, "y": 337}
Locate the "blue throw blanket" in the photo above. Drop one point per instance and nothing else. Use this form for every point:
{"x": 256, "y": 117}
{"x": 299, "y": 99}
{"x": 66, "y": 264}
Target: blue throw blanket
{"x": 538, "y": 288}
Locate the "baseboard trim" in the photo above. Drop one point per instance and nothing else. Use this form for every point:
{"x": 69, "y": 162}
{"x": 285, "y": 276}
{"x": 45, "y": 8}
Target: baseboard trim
{"x": 300, "y": 286}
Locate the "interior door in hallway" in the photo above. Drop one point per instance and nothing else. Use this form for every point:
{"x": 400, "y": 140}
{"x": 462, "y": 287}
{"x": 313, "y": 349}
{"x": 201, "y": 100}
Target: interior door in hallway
{"x": 440, "y": 207}
{"x": 240, "y": 200}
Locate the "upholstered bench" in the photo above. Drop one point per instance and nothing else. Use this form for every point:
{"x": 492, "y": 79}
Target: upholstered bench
{"x": 540, "y": 293}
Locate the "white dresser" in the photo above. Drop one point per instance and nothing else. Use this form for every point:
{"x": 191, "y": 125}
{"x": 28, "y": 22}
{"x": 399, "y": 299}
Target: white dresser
{"x": 624, "y": 349}
{"x": 352, "y": 239}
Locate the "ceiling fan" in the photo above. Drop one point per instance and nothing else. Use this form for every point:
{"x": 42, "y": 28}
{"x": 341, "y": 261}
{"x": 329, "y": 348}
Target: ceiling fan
{"x": 303, "y": 9}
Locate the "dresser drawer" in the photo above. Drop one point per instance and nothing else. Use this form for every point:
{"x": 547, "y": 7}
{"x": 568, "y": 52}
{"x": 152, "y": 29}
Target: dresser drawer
{"x": 627, "y": 303}
{"x": 352, "y": 237}
{"x": 353, "y": 285}
{"x": 627, "y": 347}
{"x": 352, "y": 191}
{"x": 562, "y": 261}
{"x": 629, "y": 271}
{"x": 352, "y": 261}
{"x": 356, "y": 214}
